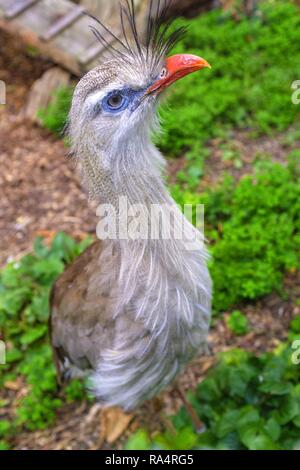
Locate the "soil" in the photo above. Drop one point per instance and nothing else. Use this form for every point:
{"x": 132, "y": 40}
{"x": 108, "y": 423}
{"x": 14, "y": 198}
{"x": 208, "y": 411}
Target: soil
{"x": 40, "y": 189}
{"x": 41, "y": 194}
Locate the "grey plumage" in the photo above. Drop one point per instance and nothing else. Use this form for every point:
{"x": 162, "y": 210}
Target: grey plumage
{"x": 133, "y": 312}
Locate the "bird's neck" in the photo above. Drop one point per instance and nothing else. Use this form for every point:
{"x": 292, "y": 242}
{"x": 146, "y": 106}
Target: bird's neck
{"x": 132, "y": 175}
{"x": 153, "y": 264}
{"x": 133, "y": 170}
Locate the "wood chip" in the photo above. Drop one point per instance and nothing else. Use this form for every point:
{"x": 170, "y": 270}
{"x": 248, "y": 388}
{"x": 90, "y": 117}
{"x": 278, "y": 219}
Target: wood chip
{"x": 114, "y": 423}
{"x": 41, "y": 93}
{"x": 15, "y": 386}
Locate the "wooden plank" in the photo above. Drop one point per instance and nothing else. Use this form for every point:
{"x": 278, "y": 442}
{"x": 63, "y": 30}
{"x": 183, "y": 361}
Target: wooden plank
{"x": 19, "y": 7}
{"x": 92, "y": 53}
{"x": 43, "y": 14}
{"x": 64, "y": 49}
{"x": 28, "y": 37}
{"x": 62, "y": 23}
{"x": 76, "y": 39}
{"x": 60, "y": 31}
{"x": 4, "y": 6}
{"x": 41, "y": 92}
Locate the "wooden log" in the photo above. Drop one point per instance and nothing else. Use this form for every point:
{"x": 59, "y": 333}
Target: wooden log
{"x": 19, "y": 7}
{"x": 63, "y": 23}
{"x": 109, "y": 14}
{"x": 109, "y": 11}
{"x": 101, "y": 9}
{"x": 48, "y": 49}
{"x": 41, "y": 92}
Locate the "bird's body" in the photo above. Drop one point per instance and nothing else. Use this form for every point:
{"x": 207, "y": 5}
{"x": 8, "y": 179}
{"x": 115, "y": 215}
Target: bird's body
{"x": 131, "y": 310}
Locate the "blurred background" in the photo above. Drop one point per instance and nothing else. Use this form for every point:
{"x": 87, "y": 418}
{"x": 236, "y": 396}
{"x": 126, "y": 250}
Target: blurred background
{"x": 232, "y": 141}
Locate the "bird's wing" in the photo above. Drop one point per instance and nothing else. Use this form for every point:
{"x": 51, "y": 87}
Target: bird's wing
{"x": 80, "y": 321}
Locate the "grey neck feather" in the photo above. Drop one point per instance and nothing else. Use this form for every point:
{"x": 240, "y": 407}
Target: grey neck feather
{"x": 161, "y": 262}
{"x": 136, "y": 172}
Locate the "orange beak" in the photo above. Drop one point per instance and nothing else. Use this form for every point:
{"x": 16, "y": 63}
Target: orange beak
{"x": 177, "y": 67}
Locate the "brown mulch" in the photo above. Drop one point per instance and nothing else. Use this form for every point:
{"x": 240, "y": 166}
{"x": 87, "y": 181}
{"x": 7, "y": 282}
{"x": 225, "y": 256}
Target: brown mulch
{"x": 41, "y": 193}
{"x": 40, "y": 190}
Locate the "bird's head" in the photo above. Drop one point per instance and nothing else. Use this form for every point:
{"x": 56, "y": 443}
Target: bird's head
{"x": 114, "y": 106}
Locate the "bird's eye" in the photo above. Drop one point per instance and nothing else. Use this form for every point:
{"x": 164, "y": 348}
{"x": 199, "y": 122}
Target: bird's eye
{"x": 115, "y": 101}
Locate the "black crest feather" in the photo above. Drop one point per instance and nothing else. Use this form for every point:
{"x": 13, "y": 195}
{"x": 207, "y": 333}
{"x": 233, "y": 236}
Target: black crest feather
{"x": 156, "y": 41}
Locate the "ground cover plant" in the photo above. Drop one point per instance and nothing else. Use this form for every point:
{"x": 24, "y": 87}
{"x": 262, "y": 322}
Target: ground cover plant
{"x": 246, "y": 402}
{"x": 24, "y": 311}
{"x": 254, "y": 228}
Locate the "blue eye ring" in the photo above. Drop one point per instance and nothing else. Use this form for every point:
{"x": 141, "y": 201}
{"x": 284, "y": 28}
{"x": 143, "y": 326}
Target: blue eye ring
{"x": 115, "y": 102}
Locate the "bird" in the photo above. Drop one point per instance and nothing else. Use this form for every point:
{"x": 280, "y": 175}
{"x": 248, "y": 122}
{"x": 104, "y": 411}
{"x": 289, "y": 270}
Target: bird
{"x": 133, "y": 309}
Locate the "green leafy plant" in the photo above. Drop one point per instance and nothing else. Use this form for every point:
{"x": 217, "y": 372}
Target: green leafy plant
{"x": 246, "y": 402}
{"x": 294, "y": 333}
{"x": 249, "y": 85}
{"x": 259, "y": 240}
{"x": 54, "y": 117}
{"x": 24, "y": 310}
{"x": 4, "y": 445}
{"x": 238, "y": 323}
{"x": 254, "y": 230}
{"x": 295, "y": 325}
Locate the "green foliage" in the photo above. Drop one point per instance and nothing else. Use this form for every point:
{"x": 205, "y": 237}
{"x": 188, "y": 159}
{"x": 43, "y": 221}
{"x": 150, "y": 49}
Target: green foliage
{"x": 4, "y": 445}
{"x": 250, "y": 81}
{"x": 54, "y": 117}
{"x": 237, "y": 322}
{"x": 138, "y": 441}
{"x": 246, "y": 402}
{"x": 259, "y": 240}
{"x": 249, "y": 85}
{"x": 294, "y": 333}
{"x": 254, "y": 230}
{"x": 75, "y": 390}
{"x": 4, "y": 428}
{"x": 295, "y": 325}
{"x": 24, "y": 309}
